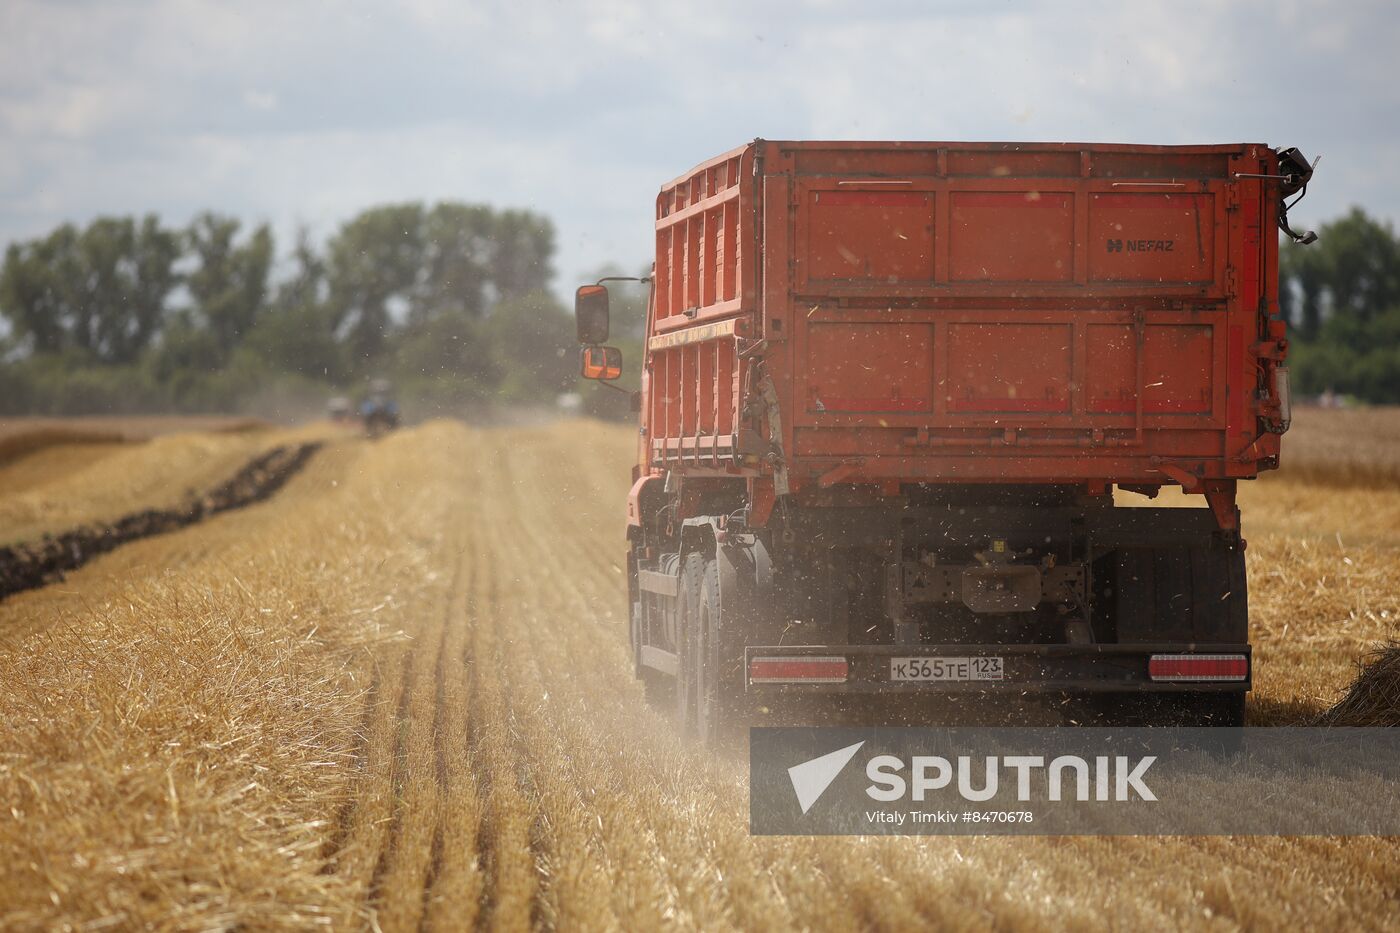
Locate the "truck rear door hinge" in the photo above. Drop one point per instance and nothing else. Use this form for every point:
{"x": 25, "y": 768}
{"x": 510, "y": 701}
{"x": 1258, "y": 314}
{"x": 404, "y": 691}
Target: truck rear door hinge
{"x": 1232, "y": 282}
{"x": 1232, "y": 196}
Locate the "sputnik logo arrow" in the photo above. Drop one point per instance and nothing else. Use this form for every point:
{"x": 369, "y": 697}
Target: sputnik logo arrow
{"x": 811, "y": 778}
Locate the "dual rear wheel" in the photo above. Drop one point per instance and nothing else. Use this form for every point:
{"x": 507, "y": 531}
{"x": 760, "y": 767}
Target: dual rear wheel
{"x": 706, "y": 695}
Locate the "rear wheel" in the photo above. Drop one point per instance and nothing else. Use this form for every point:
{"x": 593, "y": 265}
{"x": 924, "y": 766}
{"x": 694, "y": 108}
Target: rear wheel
{"x": 719, "y": 691}
{"x": 687, "y": 626}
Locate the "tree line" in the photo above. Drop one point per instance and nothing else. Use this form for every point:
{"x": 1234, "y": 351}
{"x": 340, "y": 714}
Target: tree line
{"x": 449, "y": 300}
{"x": 1341, "y": 299}
{"x": 452, "y": 302}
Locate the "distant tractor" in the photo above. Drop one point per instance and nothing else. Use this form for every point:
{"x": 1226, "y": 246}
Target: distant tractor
{"x": 379, "y": 412}
{"x": 339, "y": 410}
{"x": 888, "y": 392}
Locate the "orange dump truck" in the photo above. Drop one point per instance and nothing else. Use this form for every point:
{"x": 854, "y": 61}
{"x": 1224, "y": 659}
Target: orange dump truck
{"x": 888, "y": 391}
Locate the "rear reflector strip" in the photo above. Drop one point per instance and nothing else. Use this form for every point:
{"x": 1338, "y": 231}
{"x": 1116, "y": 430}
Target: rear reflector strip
{"x": 1198, "y": 667}
{"x": 798, "y": 670}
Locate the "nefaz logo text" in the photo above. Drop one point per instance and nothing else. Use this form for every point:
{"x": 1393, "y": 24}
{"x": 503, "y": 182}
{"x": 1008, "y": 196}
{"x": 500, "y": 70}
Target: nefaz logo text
{"x": 1140, "y": 246}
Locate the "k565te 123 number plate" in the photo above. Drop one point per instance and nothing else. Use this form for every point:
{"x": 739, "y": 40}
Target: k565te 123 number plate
{"x": 979, "y": 668}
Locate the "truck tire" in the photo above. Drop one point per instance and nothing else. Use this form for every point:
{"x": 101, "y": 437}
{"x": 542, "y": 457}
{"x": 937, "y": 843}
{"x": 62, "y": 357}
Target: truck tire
{"x": 719, "y": 692}
{"x": 687, "y": 609}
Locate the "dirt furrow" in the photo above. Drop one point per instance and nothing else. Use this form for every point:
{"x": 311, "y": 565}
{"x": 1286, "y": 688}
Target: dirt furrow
{"x": 33, "y": 564}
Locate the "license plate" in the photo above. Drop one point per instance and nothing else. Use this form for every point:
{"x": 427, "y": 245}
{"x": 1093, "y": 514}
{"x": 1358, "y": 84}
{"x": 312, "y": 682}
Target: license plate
{"x": 979, "y": 668}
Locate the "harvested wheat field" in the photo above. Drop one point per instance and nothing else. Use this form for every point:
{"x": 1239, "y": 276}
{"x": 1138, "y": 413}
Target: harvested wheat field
{"x": 398, "y": 695}
{"x": 58, "y": 484}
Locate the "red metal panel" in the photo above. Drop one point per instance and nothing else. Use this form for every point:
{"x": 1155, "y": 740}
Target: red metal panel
{"x": 1001, "y": 342}
{"x": 870, "y": 367}
{"x": 1005, "y": 367}
{"x": 966, "y": 312}
{"x": 869, "y": 236}
{"x": 1178, "y": 368}
{"x": 1012, "y": 236}
{"x": 1152, "y": 237}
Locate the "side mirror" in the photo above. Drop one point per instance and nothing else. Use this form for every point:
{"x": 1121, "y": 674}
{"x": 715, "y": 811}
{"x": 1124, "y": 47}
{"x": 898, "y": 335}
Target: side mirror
{"x": 591, "y": 314}
{"x": 602, "y": 363}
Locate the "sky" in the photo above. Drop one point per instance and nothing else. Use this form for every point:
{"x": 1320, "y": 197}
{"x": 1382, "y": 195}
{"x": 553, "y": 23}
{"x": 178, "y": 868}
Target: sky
{"x": 303, "y": 113}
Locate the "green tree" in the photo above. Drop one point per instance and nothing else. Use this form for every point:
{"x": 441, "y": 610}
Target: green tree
{"x": 1353, "y": 269}
{"x": 406, "y": 264}
{"x": 306, "y": 285}
{"x": 1362, "y": 262}
{"x": 1341, "y": 296}
{"x": 297, "y": 333}
{"x": 457, "y": 243}
{"x": 452, "y": 297}
{"x": 532, "y": 337}
{"x": 33, "y": 294}
{"x": 452, "y": 345}
{"x": 124, "y": 275}
{"x": 522, "y": 247}
{"x": 1301, "y": 281}
{"x": 229, "y": 286}
{"x": 102, "y": 291}
{"x": 375, "y": 263}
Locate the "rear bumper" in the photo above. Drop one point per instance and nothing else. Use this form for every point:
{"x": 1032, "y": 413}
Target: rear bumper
{"x": 1026, "y": 669}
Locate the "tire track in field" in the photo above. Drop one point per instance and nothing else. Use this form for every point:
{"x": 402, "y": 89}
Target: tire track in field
{"x": 573, "y": 860}
{"x": 440, "y": 728}
{"x": 452, "y": 884}
{"x": 400, "y": 888}
{"x": 514, "y": 834}
{"x": 345, "y": 814}
{"x": 561, "y": 608}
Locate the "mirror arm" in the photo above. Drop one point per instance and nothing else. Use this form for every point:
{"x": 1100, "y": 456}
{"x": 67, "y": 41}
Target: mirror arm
{"x": 613, "y": 387}
{"x": 623, "y": 278}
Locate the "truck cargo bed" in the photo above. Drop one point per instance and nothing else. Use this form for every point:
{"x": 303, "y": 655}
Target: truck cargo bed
{"x": 881, "y": 313}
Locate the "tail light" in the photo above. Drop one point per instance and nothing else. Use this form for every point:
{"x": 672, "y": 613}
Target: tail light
{"x": 798, "y": 670}
{"x": 1198, "y": 667}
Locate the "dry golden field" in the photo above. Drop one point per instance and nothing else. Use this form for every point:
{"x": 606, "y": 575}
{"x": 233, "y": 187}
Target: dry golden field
{"x": 65, "y": 478}
{"x": 398, "y": 696}
{"x": 20, "y": 437}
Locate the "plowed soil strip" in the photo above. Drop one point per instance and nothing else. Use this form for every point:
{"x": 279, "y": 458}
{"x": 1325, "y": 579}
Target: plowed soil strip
{"x": 34, "y": 564}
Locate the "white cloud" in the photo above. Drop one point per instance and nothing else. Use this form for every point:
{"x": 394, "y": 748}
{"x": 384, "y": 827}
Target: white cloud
{"x": 308, "y": 112}
{"x": 255, "y": 99}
